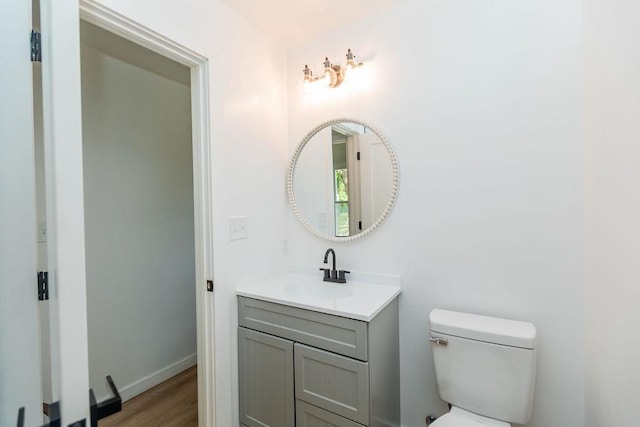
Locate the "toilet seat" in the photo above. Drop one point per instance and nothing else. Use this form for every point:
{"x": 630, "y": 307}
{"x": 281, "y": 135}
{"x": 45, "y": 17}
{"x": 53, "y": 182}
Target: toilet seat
{"x": 460, "y": 418}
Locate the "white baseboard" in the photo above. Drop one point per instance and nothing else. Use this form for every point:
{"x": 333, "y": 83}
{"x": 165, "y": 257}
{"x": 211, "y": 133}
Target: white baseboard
{"x": 132, "y": 390}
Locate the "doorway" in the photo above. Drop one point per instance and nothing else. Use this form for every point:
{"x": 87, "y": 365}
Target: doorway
{"x": 181, "y": 176}
{"x": 139, "y": 214}
{"x": 64, "y": 202}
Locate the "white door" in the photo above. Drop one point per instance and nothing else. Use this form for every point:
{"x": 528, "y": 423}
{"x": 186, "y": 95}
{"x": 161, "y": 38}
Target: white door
{"x": 376, "y": 176}
{"x": 20, "y": 384}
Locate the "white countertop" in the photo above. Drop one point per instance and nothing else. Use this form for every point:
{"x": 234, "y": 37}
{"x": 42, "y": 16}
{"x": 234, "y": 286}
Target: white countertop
{"x": 356, "y": 299}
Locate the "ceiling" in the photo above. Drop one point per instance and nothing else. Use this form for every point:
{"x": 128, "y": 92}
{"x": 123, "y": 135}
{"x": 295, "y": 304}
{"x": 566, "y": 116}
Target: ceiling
{"x": 293, "y": 22}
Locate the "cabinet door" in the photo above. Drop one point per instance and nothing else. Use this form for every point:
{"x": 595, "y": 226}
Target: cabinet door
{"x": 265, "y": 365}
{"x": 332, "y": 382}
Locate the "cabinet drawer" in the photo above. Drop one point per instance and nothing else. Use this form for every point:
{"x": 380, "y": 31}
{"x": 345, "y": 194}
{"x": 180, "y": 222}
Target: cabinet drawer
{"x": 332, "y": 382}
{"x": 333, "y": 333}
{"x": 312, "y": 416}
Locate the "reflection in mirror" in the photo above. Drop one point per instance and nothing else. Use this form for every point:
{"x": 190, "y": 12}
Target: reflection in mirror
{"x": 343, "y": 179}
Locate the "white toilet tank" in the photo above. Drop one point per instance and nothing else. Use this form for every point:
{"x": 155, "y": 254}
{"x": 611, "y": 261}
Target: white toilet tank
{"x": 484, "y": 364}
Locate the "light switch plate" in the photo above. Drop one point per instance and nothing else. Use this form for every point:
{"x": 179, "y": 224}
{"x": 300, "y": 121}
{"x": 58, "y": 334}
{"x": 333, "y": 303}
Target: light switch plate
{"x": 238, "y": 228}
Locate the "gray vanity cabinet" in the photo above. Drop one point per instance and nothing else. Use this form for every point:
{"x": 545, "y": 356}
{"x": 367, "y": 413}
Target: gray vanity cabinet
{"x": 315, "y": 368}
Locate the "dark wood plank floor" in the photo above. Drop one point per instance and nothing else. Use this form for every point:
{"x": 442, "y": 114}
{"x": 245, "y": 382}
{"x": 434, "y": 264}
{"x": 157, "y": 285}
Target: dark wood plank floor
{"x": 172, "y": 403}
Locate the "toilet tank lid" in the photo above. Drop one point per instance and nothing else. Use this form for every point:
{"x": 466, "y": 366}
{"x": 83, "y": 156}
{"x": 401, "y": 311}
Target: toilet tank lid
{"x": 493, "y": 330}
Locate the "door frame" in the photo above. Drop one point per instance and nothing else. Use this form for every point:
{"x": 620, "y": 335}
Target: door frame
{"x": 198, "y": 64}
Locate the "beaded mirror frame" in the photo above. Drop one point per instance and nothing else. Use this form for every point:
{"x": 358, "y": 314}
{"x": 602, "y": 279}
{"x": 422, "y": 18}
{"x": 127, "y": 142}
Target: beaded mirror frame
{"x": 394, "y": 186}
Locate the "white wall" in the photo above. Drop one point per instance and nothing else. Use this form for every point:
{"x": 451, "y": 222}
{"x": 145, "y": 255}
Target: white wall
{"x": 613, "y": 209}
{"x": 138, "y": 183}
{"x": 249, "y": 155}
{"x": 482, "y": 101}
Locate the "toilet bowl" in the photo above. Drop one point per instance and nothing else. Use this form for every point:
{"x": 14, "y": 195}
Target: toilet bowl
{"x": 460, "y": 418}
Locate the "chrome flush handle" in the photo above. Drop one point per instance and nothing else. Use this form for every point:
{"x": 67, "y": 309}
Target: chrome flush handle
{"x": 438, "y": 340}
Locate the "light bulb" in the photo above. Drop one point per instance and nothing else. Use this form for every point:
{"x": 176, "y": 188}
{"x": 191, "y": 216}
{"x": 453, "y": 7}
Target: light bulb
{"x": 350, "y": 69}
{"x": 307, "y": 82}
{"x": 328, "y": 79}
{"x": 307, "y": 86}
{"x": 349, "y": 72}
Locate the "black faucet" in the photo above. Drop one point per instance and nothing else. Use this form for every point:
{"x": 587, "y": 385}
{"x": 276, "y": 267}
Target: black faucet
{"x": 333, "y": 275}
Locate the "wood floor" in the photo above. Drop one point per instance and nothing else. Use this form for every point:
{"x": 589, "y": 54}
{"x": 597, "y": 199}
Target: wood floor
{"x": 172, "y": 403}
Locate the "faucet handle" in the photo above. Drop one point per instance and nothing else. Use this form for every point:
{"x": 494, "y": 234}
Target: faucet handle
{"x": 326, "y": 273}
{"x": 341, "y": 274}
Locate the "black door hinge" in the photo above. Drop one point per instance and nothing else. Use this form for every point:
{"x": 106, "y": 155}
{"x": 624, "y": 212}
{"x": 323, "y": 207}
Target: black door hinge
{"x": 36, "y": 46}
{"x": 210, "y": 285}
{"x": 43, "y": 285}
{"x": 358, "y": 156}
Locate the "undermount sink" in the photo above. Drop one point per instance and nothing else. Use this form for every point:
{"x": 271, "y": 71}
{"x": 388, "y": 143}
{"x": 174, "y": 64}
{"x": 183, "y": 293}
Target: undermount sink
{"x": 319, "y": 290}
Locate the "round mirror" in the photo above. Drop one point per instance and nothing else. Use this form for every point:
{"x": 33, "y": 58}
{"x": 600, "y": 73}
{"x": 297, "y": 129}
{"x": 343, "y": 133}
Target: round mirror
{"x": 343, "y": 179}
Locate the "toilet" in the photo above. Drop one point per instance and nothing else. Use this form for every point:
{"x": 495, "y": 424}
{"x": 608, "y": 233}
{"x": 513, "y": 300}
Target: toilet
{"x": 485, "y": 368}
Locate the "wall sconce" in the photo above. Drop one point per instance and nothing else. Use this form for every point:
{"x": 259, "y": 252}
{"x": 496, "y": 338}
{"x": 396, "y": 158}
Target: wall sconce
{"x": 333, "y": 74}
